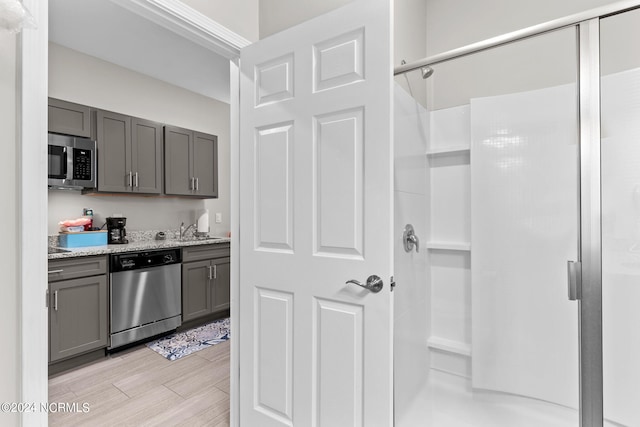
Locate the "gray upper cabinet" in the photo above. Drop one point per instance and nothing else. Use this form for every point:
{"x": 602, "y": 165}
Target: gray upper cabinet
{"x": 205, "y": 164}
{"x": 146, "y": 156}
{"x": 190, "y": 163}
{"x": 69, "y": 119}
{"x": 129, "y": 154}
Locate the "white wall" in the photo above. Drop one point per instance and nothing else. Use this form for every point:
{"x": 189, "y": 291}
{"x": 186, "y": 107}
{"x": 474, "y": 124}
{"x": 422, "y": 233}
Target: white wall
{"x": 456, "y": 23}
{"x": 9, "y": 303}
{"x": 277, "y": 15}
{"x": 540, "y": 62}
{"x": 80, "y": 78}
{"x": 240, "y": 16}
{"x": 410, "y": 44}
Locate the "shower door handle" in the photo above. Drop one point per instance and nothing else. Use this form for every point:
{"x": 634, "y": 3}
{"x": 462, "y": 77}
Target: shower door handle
{"x": 374, "y": 284}
{"x": 574, "y": 270}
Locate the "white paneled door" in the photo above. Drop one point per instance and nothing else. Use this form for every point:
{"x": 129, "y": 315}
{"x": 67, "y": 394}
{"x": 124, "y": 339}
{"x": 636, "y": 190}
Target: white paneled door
{"x": 315, "y": 212}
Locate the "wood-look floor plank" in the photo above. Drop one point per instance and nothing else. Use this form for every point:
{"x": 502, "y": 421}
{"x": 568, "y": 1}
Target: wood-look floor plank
{"x": 140, "y": 382}
{"x": 208, "y": 398}
{"x": 215, "y": 415}
{"x": 192, "y": 382}
{"x": 138, "y": 387}
{"x": 100, "y": 401}
{"x": 216, "y": 352}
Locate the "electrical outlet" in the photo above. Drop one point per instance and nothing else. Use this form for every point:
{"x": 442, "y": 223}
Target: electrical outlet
{"x": 218, "y": 218}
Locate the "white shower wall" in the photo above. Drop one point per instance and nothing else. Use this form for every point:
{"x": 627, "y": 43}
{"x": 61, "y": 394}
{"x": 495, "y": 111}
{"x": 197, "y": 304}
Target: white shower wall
{"x": 411, "y": 320}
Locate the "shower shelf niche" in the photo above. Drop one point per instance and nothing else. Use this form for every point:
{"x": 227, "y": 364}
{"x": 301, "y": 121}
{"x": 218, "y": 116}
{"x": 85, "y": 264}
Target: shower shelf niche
{"x": 449, "y": 246}
{"x": 449, "y": 346}
{"x": 449, "y": 150}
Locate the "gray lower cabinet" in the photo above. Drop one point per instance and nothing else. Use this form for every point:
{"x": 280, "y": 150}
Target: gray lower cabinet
{"x": 129, "y": 154}
{"x": 190, "y": 163}
{"x": 205, "y": 281}
{"x": 68, "y": 118}
{"x": 78, "y": 302}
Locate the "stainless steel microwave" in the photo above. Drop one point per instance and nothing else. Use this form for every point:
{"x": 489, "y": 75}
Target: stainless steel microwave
{"x": 72, "y": 162}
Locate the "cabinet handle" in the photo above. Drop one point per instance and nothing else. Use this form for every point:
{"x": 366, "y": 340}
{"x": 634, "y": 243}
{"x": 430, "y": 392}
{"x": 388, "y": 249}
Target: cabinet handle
{"x": 191, "y": 183}
{"x": 209, "y": 275}
{"x": 55, "y": 271}
{"x": 130, "y": 179}
{"x": 55, "y": 301}
{"x": 197, "y": 183}
{"x": 215, "y": 271}
{"x": 136, "y": 180}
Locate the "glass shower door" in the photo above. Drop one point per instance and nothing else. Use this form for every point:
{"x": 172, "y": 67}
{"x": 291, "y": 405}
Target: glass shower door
{"x": 620, "y": 133}
{"x": 502, "y": 160}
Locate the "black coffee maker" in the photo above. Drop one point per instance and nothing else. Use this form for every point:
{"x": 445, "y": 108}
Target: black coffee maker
{"x": 116, "y": 234}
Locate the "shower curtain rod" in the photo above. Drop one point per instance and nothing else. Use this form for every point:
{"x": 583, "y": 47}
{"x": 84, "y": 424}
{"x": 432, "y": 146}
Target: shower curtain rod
{"x": 535, "y": 30}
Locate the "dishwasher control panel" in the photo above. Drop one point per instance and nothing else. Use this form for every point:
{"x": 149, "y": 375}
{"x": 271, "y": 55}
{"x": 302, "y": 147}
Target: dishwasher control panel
{"x": 144, "y": 259}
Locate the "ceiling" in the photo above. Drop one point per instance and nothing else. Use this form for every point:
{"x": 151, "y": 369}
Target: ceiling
{"x": 107, "y": 31}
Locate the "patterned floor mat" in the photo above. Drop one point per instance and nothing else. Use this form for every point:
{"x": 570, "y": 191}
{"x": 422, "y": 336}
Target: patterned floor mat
{"x": 180, "y": 344}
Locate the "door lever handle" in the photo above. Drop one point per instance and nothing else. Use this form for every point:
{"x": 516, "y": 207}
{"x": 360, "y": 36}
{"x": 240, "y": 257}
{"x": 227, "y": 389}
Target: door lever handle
{"x": 374, "y": 283}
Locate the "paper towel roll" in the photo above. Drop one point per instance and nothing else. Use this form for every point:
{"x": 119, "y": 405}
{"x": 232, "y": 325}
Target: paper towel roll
{"x": 203, "y": 222}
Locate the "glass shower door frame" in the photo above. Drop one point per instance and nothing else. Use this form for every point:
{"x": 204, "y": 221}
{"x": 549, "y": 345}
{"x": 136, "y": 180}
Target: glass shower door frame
{"x": 589, "y": 287}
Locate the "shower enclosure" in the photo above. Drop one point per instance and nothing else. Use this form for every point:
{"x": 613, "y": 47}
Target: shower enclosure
{"x": 520, "y": 174}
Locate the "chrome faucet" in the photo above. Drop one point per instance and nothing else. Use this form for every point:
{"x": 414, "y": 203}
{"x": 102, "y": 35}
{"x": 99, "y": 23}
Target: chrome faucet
{"x": 183, "y": 231}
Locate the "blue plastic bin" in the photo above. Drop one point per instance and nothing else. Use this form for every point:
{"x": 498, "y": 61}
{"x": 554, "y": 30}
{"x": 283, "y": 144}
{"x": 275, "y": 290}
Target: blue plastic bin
{"x": 82, "y": 239}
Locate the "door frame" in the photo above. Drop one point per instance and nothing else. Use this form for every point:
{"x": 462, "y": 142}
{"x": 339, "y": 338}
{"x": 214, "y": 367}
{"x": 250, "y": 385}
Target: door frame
{"x": 32, "y": 207}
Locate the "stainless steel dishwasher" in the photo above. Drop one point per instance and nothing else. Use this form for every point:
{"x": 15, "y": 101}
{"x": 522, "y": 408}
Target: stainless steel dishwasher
{"x": 145, "y": 296}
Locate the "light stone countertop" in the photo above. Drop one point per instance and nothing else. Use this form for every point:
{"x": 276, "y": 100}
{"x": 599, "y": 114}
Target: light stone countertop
{"x": 134, "y": 245}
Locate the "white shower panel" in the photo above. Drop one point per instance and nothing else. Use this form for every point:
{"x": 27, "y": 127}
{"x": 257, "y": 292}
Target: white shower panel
{"x": 411, "y": 131}
{"x": 450, "y": 128}
{"x": 450, "y": 177}
{"x": 451, "y": 299}
{"x": 411, "y": 294}
{"x": 621, "y": 244}
{"x": 524, "y": 206}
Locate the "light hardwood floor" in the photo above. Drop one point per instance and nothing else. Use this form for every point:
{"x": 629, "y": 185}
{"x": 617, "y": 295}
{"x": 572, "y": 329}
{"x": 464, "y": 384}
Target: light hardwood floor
{"x": 139, "y": 387}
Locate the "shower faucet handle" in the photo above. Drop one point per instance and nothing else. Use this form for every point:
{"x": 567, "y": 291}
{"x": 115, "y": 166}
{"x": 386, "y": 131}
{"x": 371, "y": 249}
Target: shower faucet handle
{"x": 409, "y": 239}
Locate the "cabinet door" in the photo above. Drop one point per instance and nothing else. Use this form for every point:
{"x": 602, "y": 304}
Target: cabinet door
{"x": 196, "y": 290}
{"x": 177, "y": 160}
{"x": 69, "y": 118}
{"x": 205, "y": 164}
{"x": 221, "y": 294}
{"x": 114, "y": 152}
{"x": 146, "y": 156}
{"x": 77, "y": 316}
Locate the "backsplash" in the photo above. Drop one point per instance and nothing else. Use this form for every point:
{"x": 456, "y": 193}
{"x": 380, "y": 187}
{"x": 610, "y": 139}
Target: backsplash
{"x": 142, "y": 213}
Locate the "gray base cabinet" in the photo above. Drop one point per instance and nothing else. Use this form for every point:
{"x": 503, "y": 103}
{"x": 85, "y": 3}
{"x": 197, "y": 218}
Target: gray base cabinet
{"x": 190, "y": 163}
{"x": 205, "y": 281}
{"x": 69, "y": 119}
{"x": 78, "y": 302}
